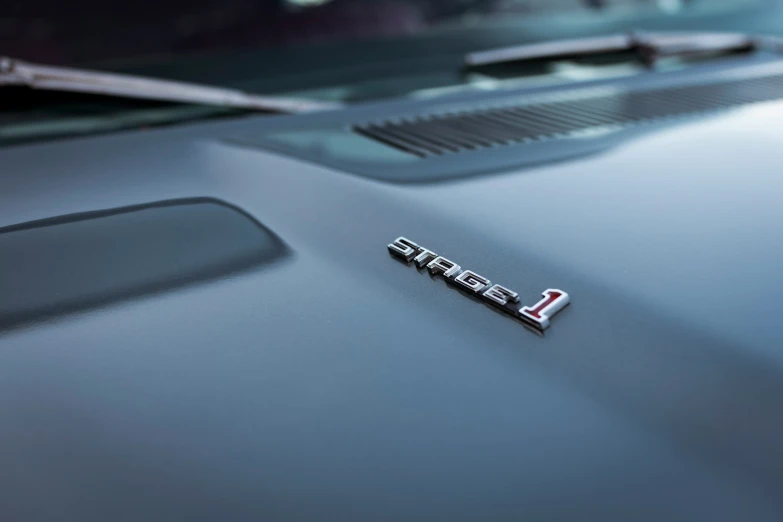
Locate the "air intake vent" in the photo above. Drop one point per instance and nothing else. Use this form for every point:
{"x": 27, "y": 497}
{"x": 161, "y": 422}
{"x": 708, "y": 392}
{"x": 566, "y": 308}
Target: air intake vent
{"x": 444, "y": 133}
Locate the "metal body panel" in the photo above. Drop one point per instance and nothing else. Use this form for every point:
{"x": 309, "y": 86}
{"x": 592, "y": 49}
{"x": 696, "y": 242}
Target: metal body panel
{"x": 337, "y": 384}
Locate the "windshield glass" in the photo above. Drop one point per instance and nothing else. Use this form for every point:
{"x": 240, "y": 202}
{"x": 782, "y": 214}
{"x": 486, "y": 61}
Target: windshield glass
{"x": 92, "y": 31}
{"x": 334, "y": 51}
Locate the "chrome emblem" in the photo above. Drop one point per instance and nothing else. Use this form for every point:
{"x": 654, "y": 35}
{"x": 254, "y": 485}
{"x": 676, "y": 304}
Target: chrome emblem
{"x": 499, "y": 297}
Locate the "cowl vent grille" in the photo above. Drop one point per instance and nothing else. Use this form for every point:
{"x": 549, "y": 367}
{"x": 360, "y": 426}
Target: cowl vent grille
{"x": 461, "y": 131}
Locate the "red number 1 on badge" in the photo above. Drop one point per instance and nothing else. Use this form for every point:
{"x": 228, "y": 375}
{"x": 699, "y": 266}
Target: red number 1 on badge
{"x": 540, "y": 313}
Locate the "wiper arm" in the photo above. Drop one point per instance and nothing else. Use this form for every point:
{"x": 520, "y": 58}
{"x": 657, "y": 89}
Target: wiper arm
{"x": 15, "y": 72}
{"x": 648, "y": 46}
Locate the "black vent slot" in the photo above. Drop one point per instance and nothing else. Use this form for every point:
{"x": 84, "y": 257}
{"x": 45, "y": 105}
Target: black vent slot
{"x": 438, "y": 134}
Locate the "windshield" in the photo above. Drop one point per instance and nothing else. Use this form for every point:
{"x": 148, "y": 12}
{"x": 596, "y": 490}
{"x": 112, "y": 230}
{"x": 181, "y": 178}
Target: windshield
{"x": 326, "y": 52}
{"x": 89, "y": 31}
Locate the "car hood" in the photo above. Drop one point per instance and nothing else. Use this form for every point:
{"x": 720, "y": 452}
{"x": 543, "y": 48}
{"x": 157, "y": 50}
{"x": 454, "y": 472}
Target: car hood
{"x": 331, "y": 382}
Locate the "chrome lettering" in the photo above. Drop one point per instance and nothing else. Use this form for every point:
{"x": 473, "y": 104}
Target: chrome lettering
{"x": 403, "y": 248}
{"x": 441, "y": 265}
{"x": 536, "y": 317}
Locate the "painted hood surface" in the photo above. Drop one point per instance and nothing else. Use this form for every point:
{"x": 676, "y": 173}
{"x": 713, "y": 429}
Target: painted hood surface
{"x": 278, "y": 364}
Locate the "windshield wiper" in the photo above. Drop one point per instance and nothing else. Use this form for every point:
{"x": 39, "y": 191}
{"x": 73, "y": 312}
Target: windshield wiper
{"x": 648, "y": 47}
{"x": 15, "y": 72}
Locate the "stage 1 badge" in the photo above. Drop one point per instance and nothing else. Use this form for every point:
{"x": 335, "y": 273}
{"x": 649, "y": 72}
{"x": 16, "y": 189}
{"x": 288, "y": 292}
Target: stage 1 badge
{"x": 537, "y": 316}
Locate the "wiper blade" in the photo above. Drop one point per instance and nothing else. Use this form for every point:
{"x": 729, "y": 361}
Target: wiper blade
{"x": 560, "y": 49}
{"x": 15, "y": 72}
{"x": 648, "y": 46}
{"x": 662, "y": 45}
